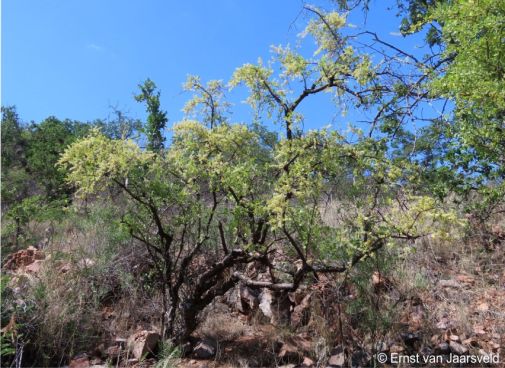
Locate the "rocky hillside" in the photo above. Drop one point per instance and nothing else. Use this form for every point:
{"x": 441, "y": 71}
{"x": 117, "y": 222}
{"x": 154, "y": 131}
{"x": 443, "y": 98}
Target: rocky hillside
{"x": 443, "y": 299}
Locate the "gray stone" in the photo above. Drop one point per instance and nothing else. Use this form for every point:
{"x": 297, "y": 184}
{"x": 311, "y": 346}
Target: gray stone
{"x": 457, "y": 348}
{"x": 337, "y": 360}
{"x": 276, "y": 306}
{"x": 143, "y": 343}
{"x": 205, "y": 349}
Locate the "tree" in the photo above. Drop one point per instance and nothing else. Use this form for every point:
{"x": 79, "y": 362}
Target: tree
{"x": 464, "y": 70}
{"x": 157, "y": 119}
{"x": 48, "y": 140}
{"x": 470, "y": 36}
{"x": 214, "y": 204}
{"x": 120, "y": 126}
{"x": 473, "y": 33}
{"x": 15, "y": 180}
{"x": 32, "y": 187}
{"x": 219, "y": 198}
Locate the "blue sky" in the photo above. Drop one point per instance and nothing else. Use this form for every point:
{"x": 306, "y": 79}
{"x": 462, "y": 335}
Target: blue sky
{"x": 76, "y": 58}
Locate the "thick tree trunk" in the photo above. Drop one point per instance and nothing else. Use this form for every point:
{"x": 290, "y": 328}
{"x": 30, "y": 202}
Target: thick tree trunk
{"x": 191, "y": 308}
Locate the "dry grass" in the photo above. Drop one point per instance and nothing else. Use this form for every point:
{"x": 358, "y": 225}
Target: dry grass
{"x": 223, "y": 327}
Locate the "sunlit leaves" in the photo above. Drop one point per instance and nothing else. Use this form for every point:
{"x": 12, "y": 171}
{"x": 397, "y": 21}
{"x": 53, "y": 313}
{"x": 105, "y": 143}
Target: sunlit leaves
{"x": 208, "y": 101}
{"x": 324, "y": 29}
{"x": 474, "y": 32}
{"x": 257, "y": 79}
{"x": 97, "y": 159}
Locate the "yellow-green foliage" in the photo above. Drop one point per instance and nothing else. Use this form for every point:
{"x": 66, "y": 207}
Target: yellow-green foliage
{"x": 324, "y": 30}
{"x": 92, "y": 160}
{"x": 218, "y": 181}
{"x": 474, "y": 32}
{"x": 285, "y": 186}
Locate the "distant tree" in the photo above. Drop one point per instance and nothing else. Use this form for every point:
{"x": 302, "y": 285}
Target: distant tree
{"x": 32, "y": 185}
{"x": 156, "y": 119}
{"x": 13, "y": 141}
{"x": 15, "y": 177}
{"x": 119, "y": 125}
{"x": 48, "y": 140}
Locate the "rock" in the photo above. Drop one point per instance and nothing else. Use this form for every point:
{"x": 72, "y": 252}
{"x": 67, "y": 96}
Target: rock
{"x": 23, "y": 258}
{"x": 248, "y": 300}
{"x": 80, "y": 362}
{"x": 276, "y": 306}
{"x": 34, "y": 267}
{"x": 307, "y": 362}
{"x": 483, "y": 307}
{"x": 143, "y": 343}
{"x": 230, "y": 298}
{"x": 454, "y": 338}
{"x": 466, "y": 279}
{"x": 293, "y": 349}
{"x": 449, "y": 284}
{"x": 301, "y": 312}
{"x": 265, "y": 299}
{"x": 95, "y": 361}
{"x": 290, "y": 353}
{"x": 337, "y": 358}
{"x": 242, "y": 299}
{"x": 442, "y": 325}
{"x": 205, "y": 349}
{"x": 457, "y": 348}
{"x": 220, "y": 308}
{"x": 479, "y": 330}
